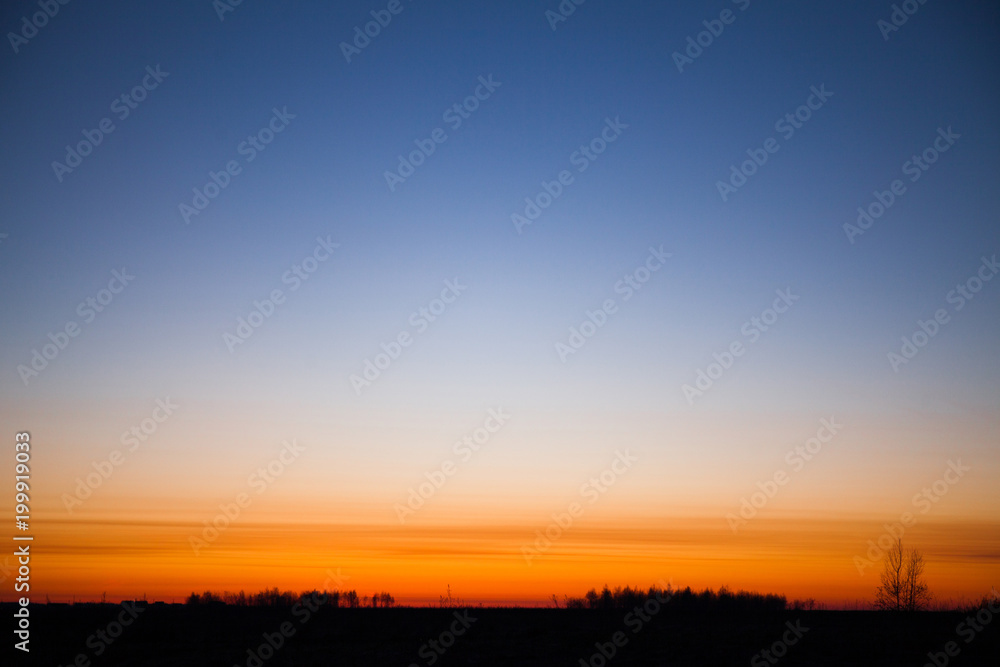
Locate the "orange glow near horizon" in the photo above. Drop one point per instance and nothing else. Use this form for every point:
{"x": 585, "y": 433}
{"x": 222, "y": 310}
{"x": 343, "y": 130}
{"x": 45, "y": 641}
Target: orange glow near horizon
{"x": 83, "y": 559}
{"x": 333, "y": 508}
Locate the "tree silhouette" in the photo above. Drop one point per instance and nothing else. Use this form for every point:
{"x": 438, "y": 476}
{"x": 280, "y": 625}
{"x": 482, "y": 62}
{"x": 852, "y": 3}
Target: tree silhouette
{"x": 707, "y": 600}
{"x": 383, "y": 599}
{"x": 903, "y": 587}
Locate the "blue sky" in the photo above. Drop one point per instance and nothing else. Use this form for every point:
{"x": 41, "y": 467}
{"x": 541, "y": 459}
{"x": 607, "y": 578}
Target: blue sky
{"x": 656, "y": 185}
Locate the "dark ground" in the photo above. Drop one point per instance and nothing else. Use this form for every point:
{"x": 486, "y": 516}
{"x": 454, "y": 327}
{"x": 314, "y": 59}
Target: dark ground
{"x": 181, "y": 635}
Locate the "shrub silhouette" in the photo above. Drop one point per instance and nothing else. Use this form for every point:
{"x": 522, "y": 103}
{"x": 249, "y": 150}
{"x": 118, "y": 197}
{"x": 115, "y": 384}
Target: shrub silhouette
{"x": 273, "y": 597}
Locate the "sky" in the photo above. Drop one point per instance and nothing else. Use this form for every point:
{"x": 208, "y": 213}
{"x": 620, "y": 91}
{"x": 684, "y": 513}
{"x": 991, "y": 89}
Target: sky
{"x": 397, "y": 306}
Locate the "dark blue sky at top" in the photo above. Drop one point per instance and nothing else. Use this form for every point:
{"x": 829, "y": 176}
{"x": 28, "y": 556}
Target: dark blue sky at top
{"x": 656, "y": 185}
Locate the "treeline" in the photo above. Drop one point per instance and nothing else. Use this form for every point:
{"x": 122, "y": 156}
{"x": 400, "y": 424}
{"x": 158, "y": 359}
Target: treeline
{"x": 682, "y": 599}
{"x": 275, "y": 598}
{"x": 618, "y": 598}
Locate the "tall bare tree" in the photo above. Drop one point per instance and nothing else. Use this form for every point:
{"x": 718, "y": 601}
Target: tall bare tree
{"x": 903, "y": 587}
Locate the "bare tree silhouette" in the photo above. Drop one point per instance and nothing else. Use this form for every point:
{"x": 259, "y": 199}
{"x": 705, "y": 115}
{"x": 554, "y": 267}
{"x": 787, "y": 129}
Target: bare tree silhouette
{"x": 903, "y": 587}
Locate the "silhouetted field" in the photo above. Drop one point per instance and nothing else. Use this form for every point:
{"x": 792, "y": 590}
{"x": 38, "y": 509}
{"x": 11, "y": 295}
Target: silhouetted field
{"x": 232, "y": 635}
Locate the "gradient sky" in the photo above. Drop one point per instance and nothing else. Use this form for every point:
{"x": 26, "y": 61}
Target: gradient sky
{"x": 495, "y": 346}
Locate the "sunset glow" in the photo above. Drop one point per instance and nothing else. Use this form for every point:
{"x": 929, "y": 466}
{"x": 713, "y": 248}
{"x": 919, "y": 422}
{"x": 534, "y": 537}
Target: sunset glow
{"x": 502, "y": 306}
